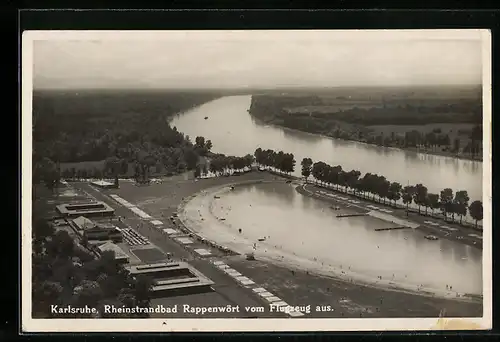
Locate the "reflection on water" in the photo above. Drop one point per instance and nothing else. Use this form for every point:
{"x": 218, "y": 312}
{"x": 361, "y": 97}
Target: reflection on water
{"x": 308, "y": 228}
{"x": 233, "y": 131}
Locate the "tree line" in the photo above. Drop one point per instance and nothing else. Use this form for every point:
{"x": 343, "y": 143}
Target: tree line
{"x": 376, "y": 185}
{"x": 372, "y": 186}
{"x": 345, "y": 121}
{"x": 65, "y": 273}
{"x": 121, "y": 128}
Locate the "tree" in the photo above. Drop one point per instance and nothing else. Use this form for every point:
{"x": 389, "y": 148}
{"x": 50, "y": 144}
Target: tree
{"x": 476, "y": 211}
{"x": 352, "y": 178}
{"x": 143, "y": 286}
{"x": 318, "y": 171}
{"x": 204, "y": 169}
{"x": 113, "y": 166}
{"x": 197, "y": 171}
{"x": 446, "y": 200}
{"x": 306, "y": 167}
{"x": 456, "y": 145}
{"x": 433, "y": 201}
{"x": 48, "y": 172}
{"x": 199, "y": 142}
{"x": 45, "y": 294}
{"x": 420, "y": 196}
{"x": 191, "y": 159}
{"x": 383, "y": 186}
{"x": 88, "y": 293}
{"x": 208, "y": 145}
{"x": 395, "y": 192}
{"x": 407, "y": 195}
{"x": 461, "y": 203}
{"x": 42, "y": 229}
{"x": 61, "y": 245}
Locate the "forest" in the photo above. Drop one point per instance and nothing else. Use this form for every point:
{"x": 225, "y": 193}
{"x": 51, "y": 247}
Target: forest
{"x": 66, "y": 273}
{"x": 120, "y": 128}
{"x": 355, "y": 119}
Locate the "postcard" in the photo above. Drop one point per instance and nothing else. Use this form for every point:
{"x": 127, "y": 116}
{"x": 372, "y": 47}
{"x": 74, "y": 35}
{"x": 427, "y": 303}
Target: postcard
{"x": 300, "y": 180}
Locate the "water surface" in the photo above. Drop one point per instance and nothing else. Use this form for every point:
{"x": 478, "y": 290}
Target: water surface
{"x": 233, "y": 131}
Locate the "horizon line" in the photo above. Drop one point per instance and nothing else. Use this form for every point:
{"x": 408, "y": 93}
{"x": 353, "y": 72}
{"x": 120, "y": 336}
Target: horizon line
{"x": 262, "y": 88}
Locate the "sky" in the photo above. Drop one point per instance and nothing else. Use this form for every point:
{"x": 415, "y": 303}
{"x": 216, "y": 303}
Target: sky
{"x": 254, "y": 59}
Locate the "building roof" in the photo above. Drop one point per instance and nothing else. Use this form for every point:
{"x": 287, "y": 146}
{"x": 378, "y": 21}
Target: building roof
{"x": 109, "y": 246}
{"x": 84, "y": 223}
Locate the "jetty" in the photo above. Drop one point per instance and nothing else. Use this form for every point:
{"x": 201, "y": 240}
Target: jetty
{"x": 391, "y": 228}
{"x": 351, "y": 215}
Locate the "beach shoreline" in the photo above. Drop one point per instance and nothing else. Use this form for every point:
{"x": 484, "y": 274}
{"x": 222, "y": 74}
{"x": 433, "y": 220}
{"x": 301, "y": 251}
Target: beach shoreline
{"x": 406, "y": 149}
{"x": 197, "y": 216}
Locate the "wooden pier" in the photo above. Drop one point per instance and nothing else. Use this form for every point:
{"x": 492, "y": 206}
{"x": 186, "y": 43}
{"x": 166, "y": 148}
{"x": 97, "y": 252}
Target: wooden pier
{"x": 391, "y": 228}
{"x": 351, "y": 215}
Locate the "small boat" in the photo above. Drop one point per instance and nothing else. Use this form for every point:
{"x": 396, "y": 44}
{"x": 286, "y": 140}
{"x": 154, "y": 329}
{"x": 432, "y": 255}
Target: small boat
{"x": 431, "y": 237}
{"x": 216, "y": 197}
{"x": 262, "y": 239}
{"x": 206, "y": 117}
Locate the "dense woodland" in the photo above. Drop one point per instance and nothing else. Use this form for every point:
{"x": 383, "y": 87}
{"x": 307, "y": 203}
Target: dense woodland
{"x": 350, "y": 119}
{"x": 65, "y": 273}
{"x": 122, "y": 128}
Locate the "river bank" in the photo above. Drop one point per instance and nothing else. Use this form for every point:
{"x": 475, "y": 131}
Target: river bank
{"x": 295, "y": 286}
{"x": 200, "y": 216}
{"x": 422, "y": 151}
{"x": 459, "y": 233}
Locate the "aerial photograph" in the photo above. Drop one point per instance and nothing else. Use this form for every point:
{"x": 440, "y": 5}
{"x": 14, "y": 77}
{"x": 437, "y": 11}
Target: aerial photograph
{"x": 257, "y": 174}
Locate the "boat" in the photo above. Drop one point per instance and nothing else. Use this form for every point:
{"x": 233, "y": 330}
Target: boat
{"x": 206, "y": 117}
{"x": 262, "y": 239}
{"x": 431, "y": 237}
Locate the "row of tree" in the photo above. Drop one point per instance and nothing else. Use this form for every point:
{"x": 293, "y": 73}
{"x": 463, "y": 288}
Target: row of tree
{"x": 370, "y": 186}
{"x": 279, "y": 161}
{"x": 65, "y": 273}
{"x": 431, "y": 140}
{"x": 376, "y": 185}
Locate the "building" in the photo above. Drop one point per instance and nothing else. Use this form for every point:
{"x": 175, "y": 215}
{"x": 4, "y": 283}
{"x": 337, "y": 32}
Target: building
{"x": 96, "y": 231}
{"x": 173, "y": 278}
{"x": 120, "y": 254}
{"x": 85, "y": 209}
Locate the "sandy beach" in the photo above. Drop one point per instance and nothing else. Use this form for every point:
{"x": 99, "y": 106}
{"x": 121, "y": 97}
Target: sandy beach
{"x": 197, "y": 214}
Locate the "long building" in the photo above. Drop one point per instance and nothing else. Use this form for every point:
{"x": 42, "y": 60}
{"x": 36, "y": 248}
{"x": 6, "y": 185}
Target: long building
{"x": 84, "y": 209}
{"x": 96, "y": 231}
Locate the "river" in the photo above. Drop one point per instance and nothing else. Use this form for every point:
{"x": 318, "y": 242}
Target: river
{"x": 233, "y": 131}
{"x": 304, "y": 228}
{"x": 305, "y": 232}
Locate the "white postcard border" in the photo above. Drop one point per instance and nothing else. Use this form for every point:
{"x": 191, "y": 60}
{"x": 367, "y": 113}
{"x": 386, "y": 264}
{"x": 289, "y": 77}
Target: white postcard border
{"x": 28, "y": 324}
